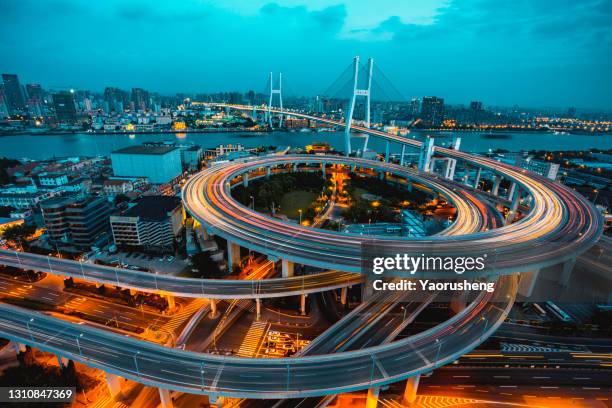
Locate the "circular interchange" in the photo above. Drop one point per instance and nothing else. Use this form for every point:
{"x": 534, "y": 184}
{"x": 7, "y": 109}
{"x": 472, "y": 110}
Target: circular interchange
{"x": 559, "y": 226}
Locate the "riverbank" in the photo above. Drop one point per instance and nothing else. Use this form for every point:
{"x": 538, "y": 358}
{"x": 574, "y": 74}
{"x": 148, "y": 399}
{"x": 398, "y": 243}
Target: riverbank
{"x": 133, "y": 132}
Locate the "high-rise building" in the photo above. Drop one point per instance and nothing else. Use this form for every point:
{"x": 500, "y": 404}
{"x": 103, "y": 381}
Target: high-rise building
{"x": 140, "y": 98}
{"x": 432, "y": 110}
{"x": 415, "y": 107}
{"x": 476, "y": 105}
{"x": 65, "y": 108}
{"x": 4, "y": 113}
{"x": 13, "y": 93}
{"x": 476, "y": 111}
{"x": 159, "y": 164}
{"x": 116, "y": 99}
{"x": 35, "y": 99}
{"x": 82, "y": 222}
{"x": 151, "y": 223}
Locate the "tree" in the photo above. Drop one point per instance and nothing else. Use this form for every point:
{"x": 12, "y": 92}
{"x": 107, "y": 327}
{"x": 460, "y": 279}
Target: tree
{"x": 18, "y": 233}
{"x": 121, "y": 198}
{"x": 5, "y": 164}
{"x": 207, "y": 268}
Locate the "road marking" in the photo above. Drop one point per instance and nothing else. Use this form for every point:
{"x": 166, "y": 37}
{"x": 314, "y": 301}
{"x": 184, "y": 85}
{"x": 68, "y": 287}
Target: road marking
{"x": 581, "y": 378}
{"x": 591, "y": 388}
{"x": 501, "y": 376}
{"x": 507, "y": 386}
{"x": 461, "y": 376}
{"x": 540, "y": 378}
{"x": 549, "y": 388}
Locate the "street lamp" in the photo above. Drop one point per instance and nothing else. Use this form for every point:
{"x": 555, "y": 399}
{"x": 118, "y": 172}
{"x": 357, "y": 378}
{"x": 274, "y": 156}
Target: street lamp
{"x": 29, "y": 329}
{"x": 79, "y": 343}
{"x": 253, "y": 203}
{"x": 136, "y": 362}
{"x": 300, "y": 211}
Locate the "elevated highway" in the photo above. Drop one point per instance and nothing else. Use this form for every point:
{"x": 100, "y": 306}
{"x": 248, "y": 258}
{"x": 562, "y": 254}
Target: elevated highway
{"x": 559, "y": 226}
{"x": 175, "y": 369}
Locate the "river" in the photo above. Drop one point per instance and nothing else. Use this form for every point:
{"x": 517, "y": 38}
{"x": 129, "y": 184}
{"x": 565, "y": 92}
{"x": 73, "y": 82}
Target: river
{"x": 87, "y": 144}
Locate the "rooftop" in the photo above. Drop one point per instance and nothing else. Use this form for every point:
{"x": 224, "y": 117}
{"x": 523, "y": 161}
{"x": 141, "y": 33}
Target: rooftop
{"x": 153, "y": 150}
{"x": 153, "y": 208}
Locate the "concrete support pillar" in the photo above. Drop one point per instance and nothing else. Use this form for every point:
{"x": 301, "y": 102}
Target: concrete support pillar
{"x": 303, "y": 304}
{"x": 372, "y": 398}
{"x": 213, "y": 308}
{"x": 245, "y": 179}
{"x": 566, "y": 271}
{"x": 62, "y": 361}
{"x": 113, "y": 382}
{"x": 205, "y": 233}
{"x": 515, "y": 197}
{"x": 257, "y": 308}
{"x": 343, "y": 293}
{"x": 20, "y": 348}
{"x": 323, "y": 169}
{"x": 171, "y": 303}
{"x": 512, "y": 190}
{"x": 233, "y": 255}
{"x": 477, "y": 179}
{"x": 287, "y": 268}
{"x": 381, "y": 175}
{"x": 387, "y": 152}
{"x": 427, "y": 149}
{"x": 295, "y": 167}
{"x": 268, "y": 171}
{"x": 451, "y": 164}
{"x": 367, "y": 290}
{"x": 459, "y": 302}
{"x": 432, "y": 163}
{"x": 165, "y": 399}
{"x": 402, "y": 156}
{"x": 527, "y": 282}
{"x": 409, "y": 185}
{"x": 216, "y": 401}
{"x": 410, "y": 393}
{"x": 496, "y": 183}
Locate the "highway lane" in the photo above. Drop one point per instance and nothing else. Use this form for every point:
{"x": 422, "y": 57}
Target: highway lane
{"x": 180, "y": 370}
{"x": 97, "y": 308}
{"x": 179, "y": 286}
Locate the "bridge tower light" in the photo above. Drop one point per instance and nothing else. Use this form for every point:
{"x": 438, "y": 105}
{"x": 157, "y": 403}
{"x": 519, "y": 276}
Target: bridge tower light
{"x": 358, "y": 92}
{"x": 277, "y": 91}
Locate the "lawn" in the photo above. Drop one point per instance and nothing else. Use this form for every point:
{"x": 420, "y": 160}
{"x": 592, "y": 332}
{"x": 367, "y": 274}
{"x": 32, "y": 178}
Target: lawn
{"x": 295, "y": 200}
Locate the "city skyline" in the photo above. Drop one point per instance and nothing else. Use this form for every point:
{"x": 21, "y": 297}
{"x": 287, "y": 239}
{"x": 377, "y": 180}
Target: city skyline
{"x": 201, "y": 47}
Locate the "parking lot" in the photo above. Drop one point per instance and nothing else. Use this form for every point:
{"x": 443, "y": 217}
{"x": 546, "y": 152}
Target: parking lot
{"x": 164, "y": 264}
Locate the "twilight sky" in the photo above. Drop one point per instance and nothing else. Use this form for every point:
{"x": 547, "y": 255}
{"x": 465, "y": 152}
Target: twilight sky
{"x": 526, "y": 52}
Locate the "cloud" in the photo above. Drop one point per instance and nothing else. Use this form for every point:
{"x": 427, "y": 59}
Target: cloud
{"x": 329, "y": 19}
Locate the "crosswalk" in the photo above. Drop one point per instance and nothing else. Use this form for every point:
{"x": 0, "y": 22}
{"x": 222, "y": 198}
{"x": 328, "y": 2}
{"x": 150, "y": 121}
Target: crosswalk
{"x": 431, "y": 401}
{"x": 185, "y": 314}
{"x": 525, "y": 348}
{"x": 252, "y": 339}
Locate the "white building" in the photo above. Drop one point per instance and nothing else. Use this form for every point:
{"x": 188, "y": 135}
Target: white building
{"x": 159, "y": 164}
{"x": 151, "y": 224}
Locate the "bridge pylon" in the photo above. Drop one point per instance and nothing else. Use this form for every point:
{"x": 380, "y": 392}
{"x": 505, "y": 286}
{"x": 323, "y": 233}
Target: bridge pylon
{"x": 275, "y": 91}
{"x": 358, "y": 92}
